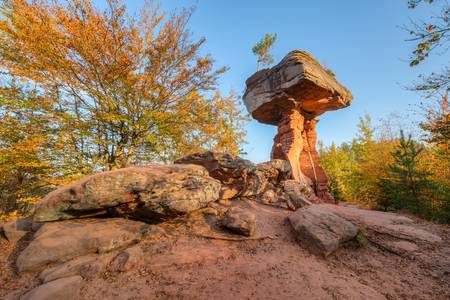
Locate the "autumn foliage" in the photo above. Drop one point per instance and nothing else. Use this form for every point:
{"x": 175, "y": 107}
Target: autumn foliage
{"x": 85, "y": 90}
{"x": 386, "y": 169}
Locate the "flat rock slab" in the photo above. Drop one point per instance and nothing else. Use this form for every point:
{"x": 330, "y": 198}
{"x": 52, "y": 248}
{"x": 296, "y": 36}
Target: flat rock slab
{"x": 62, "y": 241}
{"x": 366, "y": 216}
{"x": 149, "y": 193}
{"x": 297, "y": 78}
{"x": 67, "y": 288}
{"x": 391, "y": 224}
{"x": 88, "y": 266}
{"x": 320, "y": 230}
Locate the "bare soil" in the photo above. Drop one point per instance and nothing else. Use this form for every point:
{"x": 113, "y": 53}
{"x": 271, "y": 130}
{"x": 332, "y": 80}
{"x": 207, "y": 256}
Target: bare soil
{"x": 182, "y": 261}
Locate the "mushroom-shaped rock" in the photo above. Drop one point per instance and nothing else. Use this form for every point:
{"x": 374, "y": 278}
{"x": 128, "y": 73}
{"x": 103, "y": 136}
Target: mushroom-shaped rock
{"x": 291, "y": 95}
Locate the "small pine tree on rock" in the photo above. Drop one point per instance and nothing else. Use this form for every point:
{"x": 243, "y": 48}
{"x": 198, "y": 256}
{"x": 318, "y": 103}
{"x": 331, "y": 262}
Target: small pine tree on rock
{"x": 261, "y": 49}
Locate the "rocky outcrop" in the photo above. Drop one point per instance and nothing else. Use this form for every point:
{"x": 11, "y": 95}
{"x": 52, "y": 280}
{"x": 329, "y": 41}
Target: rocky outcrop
{"x": 291, "y": 95}
{"x": 108, "y": 257}
{"x": 62, "y": 241}
{"x": 149, "y": 193}
{"x": 269, "y": 182}
{"x": 240, "y": 177}
{"x": 264, "y": 176}
{"x": 296, "y": 194}
{"x": 90, "y": 242}
{"x": 320, "y": 230}
{"x": 230, "y": 170}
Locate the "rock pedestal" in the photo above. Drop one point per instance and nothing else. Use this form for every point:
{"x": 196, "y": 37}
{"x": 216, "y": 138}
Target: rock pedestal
{"x": 291, "y": 95}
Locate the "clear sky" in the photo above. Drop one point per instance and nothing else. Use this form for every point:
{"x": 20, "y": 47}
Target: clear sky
{"x": 359, "y": 40}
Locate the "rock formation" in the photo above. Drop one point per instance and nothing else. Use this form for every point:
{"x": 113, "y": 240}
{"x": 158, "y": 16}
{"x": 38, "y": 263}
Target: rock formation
{"x": 268, "y": 182}
{"x": 321, "y": 230}
{"x": 150, "y": 193}
{"x": 60, "y": 241}
{"x": 240, "y": 221}
{"x": 291, "y": 95}
{"x": 217, "y": 222}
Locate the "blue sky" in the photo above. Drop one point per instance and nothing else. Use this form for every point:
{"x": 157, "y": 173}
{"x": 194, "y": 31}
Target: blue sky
{"x": 359, "y": 40}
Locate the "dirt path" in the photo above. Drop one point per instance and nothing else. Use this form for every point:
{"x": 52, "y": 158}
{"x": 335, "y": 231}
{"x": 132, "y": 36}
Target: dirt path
{"x": 178, "y": 264}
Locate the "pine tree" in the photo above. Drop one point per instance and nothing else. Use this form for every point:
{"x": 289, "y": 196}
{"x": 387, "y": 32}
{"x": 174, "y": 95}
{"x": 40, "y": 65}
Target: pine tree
{"x": 261, "y": 49}
{"x": 407, "y": 184}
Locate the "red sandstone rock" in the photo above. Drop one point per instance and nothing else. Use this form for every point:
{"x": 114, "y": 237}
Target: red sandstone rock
{"x": 16, "y": 229}
{"x": 228, "y": 169}
{"x": 67, "y": 288}
{"x": 149, "y": 193}
{"x": 320, "y": 230}
{"x": 61, "y": 241}
{"x": 240, "y": 177}
{"x": 240, "y": 221}
{"x": 291, "y": 95}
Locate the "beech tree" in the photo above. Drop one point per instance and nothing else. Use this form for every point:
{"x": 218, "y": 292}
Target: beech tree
{"x": 84, "y": 90}
{"x": 27, "y": 149}
{"x": 125, "y": 90}
{"x": 433, "y": 36}
{"x": 429, "y": 36}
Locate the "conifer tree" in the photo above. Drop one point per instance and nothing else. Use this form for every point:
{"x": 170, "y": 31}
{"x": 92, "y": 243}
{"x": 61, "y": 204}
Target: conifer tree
{"x": 261, "y": 49}
{"x": 407, "y": 183}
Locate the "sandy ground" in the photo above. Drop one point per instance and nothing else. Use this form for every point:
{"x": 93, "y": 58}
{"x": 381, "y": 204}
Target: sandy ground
{"x": 180, "y": 264}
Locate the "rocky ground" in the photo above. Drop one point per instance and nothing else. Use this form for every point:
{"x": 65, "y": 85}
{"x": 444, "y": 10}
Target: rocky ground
{"x": 215, "y": 226}
{"x": 187, "y": 259}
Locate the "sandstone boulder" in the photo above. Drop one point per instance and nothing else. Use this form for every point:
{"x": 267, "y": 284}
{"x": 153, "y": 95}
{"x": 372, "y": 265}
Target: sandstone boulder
{"x": 126, "y": 259}
{"x": 67, "y": 288}
{"x": 16, "y": 229}
{"x": 87, "y": 267}
{"x": 149, "y": 193}
{"x": 240, "y": 221}
{"x": 228, "y": 169}
{"x": 62, "y": 241}
{"x": 320, "y": 230}
{"x": 296, "y": 194}
{"x": 240, "y": 177}
{"x": 264, "y": 176}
